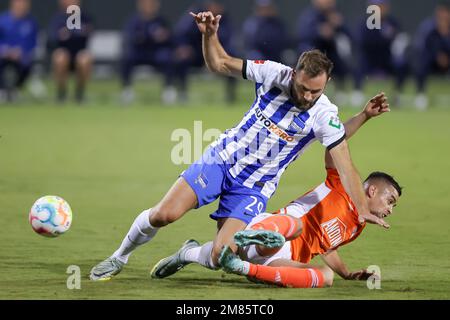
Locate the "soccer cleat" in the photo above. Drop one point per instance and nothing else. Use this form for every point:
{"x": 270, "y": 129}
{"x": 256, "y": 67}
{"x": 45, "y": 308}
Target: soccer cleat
{"x": 230, "y": 262}
{"x": 267, "y": 238}
{"x": 106, "y": 269}
{"x": 174, "y": 263}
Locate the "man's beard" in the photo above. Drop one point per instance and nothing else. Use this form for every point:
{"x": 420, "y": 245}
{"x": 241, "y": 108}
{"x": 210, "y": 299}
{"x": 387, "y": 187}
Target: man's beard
{"x": 302, "y": 103}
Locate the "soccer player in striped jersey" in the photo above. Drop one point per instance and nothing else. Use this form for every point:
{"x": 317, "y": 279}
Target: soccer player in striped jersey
{"x": 243, "y": 167}
{"x": 316, "y": 223}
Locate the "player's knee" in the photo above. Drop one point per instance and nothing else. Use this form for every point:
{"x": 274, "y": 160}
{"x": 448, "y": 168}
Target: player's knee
{"x": 163, "y": 215}
{"x": 60, "y": 58}
{"x": 84, "y": 60}
{"x": 328, "y": 276}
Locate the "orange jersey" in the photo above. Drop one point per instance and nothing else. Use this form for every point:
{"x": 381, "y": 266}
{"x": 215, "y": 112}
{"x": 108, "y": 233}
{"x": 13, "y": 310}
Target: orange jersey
{"x": 329, "y": 219}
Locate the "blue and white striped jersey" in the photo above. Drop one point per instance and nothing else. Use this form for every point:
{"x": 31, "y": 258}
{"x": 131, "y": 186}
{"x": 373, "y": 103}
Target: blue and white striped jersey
{"x": 274, "y": 132}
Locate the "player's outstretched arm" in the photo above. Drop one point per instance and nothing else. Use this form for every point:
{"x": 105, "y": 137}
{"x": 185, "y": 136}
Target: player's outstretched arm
{"x": 335, "y": 262}
{"x": 216, "y": 58}
{"x": 375, "y": 107}
{"x": 352, "y": 183}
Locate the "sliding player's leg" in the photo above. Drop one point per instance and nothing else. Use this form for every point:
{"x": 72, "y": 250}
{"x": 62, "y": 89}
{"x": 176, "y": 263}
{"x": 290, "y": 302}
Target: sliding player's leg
{"x": 199, "y": 185}
{"x": 289, "y": 227}
{"x": 327, "y": 273}
{"x": 277, "y": 273}
{"x": 269, "y": 232}
{"x": 238, "y": 205}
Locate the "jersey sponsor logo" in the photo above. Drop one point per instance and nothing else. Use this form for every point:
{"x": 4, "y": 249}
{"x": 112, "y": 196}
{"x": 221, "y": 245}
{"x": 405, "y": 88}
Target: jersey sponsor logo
{"x": 259, "y": 61}
{"x": 272, "y": 127}
{"x": 334, "y": 231}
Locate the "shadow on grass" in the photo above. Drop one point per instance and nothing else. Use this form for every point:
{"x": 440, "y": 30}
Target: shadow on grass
{"x": 224, "y": 281}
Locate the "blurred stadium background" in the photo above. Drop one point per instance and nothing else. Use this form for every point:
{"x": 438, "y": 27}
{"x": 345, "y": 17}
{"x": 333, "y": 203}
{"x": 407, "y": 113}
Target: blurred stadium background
{"x": 109, "y": 162}
{"x": 109, "y": 47}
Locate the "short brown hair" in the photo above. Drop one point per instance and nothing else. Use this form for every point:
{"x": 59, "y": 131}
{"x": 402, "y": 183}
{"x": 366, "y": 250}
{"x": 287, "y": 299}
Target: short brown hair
{"x": 314, "y": 62}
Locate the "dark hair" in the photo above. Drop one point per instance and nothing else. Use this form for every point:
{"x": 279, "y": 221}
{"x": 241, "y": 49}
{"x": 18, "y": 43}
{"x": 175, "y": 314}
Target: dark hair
{"x": 386, "y": 177}
{"x": 314, "y": 62}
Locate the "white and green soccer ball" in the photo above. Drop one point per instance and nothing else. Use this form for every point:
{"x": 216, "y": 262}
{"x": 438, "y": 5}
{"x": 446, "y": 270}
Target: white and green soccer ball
{"x": 50, "y": 216}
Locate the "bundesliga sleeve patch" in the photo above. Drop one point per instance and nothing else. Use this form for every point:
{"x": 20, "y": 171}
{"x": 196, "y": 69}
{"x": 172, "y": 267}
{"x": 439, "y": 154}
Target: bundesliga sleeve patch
{"x": 335, "y": 122}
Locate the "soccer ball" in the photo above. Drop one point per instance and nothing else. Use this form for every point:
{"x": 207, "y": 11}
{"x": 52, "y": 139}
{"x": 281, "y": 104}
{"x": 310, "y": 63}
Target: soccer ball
{"x": 50, "y": 216}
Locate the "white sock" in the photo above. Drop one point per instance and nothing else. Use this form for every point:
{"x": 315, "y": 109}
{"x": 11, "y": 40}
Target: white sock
{"x": 245, "y": 268}
{"x": 141, "y": 231}
{"x": 201, "y": 255}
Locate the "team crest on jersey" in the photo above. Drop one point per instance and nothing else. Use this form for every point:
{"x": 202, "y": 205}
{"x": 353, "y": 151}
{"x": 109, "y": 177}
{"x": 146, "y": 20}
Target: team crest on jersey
{"x": 334, "y": 231}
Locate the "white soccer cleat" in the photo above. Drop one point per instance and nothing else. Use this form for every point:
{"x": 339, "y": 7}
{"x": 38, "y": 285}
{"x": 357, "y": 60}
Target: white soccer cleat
{"x": 106, "y": 269}
{"x": 170, "y": 265}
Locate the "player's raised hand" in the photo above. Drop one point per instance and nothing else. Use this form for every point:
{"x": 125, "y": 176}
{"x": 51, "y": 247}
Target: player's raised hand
{"x": 207, "y": 23}
{"x": 371, "y": 218}
{"x": 376, "y": 106}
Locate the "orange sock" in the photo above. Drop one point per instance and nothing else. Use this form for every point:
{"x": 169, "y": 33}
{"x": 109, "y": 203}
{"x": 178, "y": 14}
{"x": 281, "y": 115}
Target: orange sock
{"x": 284, "y": 224}
{"x": 287, "y": 276}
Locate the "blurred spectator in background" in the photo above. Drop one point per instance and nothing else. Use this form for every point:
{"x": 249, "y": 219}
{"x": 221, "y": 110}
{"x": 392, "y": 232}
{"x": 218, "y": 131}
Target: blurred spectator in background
{"x": 321, "y": 26}
{"x": 147, "y": 41}
{"x": 188, "y": 52}
{"x": 188, "y": 49}
{"x": 265, "y": 36}
{"x": 380, "y": 51}
{"x": 18, "y": 38}
{"x": 433, "y": 49}
{"x": 69, "y": 51}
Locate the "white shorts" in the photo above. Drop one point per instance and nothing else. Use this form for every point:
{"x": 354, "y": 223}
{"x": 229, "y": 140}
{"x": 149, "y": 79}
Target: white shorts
{"x": 250, "y": 254}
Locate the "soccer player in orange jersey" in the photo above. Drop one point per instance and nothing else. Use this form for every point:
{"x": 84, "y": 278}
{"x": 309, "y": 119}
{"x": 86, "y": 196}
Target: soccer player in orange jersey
{"x": 317, "y": 223}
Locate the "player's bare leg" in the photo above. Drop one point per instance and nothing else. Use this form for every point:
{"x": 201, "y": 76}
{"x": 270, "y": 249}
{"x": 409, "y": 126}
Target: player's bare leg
{"x": 60, "y": 64}
{"x": 178, "y": 200}
{"x": 83, "y": 68}
{"x": 227, "y": 228}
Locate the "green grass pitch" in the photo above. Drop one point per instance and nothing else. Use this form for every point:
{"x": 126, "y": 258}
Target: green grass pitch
{"x": 111, "y": 162}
